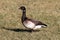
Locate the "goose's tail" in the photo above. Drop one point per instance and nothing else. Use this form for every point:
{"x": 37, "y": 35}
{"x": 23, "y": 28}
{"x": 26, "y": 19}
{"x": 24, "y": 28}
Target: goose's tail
{"x": 44, "y": 24}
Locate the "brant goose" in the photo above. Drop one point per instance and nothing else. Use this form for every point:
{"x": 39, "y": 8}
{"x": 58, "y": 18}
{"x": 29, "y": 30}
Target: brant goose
{"x": 30, "y": 23}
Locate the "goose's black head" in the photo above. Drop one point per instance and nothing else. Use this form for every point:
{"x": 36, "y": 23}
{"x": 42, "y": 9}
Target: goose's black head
{"x": 22, "y": 8}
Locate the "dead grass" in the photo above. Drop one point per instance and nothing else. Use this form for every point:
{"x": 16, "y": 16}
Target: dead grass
{"x": 47, "y": 11}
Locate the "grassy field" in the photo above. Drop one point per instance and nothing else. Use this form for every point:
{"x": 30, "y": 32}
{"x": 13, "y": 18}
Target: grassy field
{"x": 47, "y": 11}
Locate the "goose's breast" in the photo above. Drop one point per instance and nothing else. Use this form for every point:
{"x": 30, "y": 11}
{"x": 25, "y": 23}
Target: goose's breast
{"x": 29, "y": 24}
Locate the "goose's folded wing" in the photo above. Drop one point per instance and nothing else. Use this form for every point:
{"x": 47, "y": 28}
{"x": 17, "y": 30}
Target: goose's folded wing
{"x": 37, "y": 22}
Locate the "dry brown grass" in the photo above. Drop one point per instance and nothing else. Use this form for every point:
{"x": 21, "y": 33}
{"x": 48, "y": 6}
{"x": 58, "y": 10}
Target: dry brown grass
{"x": 47, "y": 11}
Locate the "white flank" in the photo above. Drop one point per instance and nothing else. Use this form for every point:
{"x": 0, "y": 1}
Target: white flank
{"x": 38, "y": 26}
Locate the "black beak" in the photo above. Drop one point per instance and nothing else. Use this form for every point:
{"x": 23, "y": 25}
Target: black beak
{"x": 22, "y": 8}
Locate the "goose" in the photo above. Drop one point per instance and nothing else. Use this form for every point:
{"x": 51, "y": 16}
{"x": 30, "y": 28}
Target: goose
{"x": 30, "y": 23}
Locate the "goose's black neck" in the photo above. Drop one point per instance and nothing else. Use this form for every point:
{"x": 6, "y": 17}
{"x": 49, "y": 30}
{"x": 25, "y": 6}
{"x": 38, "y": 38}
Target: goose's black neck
{"x": 23, "y": 18}
{"x": 23, "y": 15}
